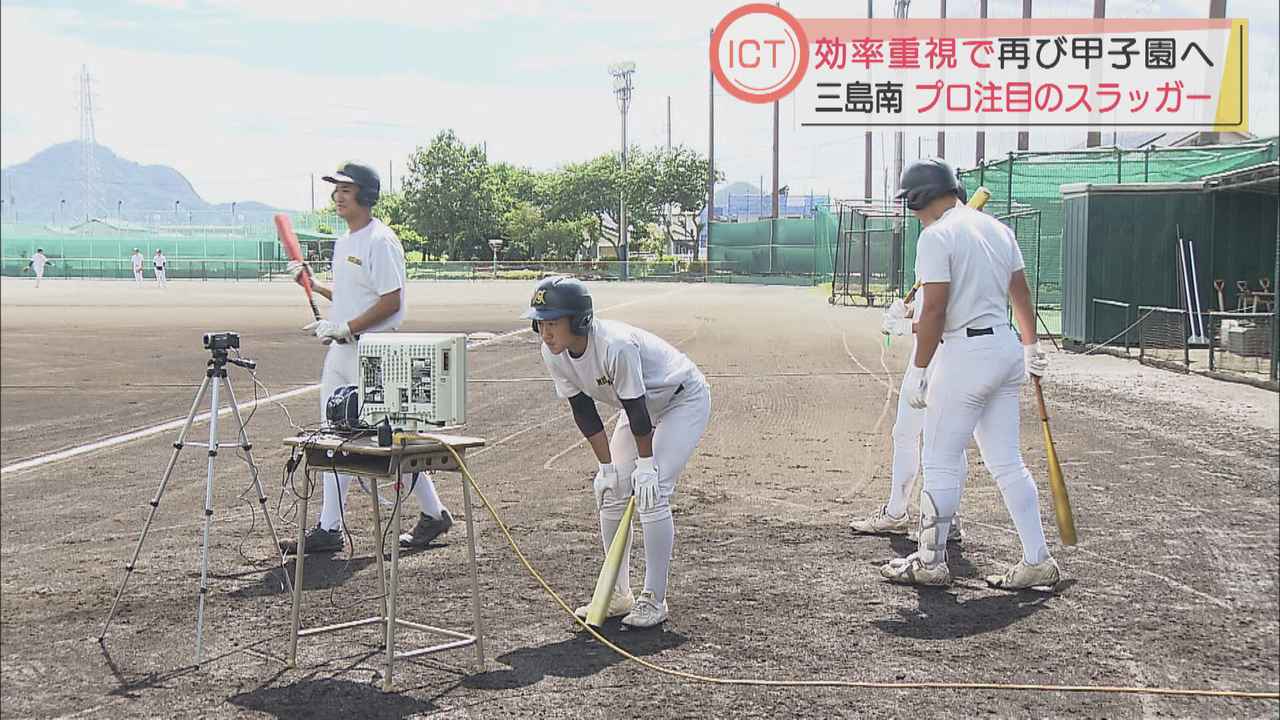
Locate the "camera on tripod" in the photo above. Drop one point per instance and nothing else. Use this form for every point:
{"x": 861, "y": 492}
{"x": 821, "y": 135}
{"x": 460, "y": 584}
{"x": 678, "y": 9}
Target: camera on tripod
{"x": 222, "y": 341}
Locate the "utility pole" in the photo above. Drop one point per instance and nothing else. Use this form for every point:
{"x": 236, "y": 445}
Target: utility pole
{"x": 313, "y": 192}
{"x": 391, "y": 178}
{"x": 668, "y": 123}
{"x": 1094, "y": 138}
{"x": 942, "y": 135}
{"x": 711, "y": 159}
{"x": 866, "y": 149}
{"x": 1024, "y": 136}
{"x": 776, "y": 185}
{"x": 980, "y": 148}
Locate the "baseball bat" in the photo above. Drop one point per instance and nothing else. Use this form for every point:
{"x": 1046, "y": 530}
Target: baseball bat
{"x": 598, "y": 611}
{"x": 1057, "y": 484}
{"x": 284, "y": 230}
{"x": 977, "y": 202}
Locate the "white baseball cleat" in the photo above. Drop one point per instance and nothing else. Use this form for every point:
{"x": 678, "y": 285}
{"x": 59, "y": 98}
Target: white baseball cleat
{"x": 954, "y": 533}
{"x": 881, "y": 522}
{"x": 619, "y": 605}
{"x": 911, "y": 570}
{"x": 1043, "y": 577}
{"x": 647, "y": 613}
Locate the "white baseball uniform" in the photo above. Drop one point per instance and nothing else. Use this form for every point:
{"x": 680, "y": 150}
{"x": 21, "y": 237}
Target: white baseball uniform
{"x": 137, "y": 268}
{"x": 624, "y": 363}
{"x": 367, "y": 264}
{"x": 38, "y": 261}
{"x": 159, "y": 261}
{"x": 977, "y": 374}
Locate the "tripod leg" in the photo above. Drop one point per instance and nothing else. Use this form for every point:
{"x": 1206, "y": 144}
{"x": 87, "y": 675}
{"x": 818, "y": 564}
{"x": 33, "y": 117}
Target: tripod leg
{"x": 208, "y": 520}
{"x": 155, "y": 505}
{"x": 247, "y": 446}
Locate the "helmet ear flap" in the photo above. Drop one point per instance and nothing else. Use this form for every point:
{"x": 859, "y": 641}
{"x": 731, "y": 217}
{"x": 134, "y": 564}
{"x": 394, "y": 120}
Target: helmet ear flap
{"x": 582, "y": 323}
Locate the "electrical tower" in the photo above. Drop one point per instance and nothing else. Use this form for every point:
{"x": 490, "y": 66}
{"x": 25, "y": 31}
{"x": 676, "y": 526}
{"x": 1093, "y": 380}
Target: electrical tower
{"x": 90, "y": 185}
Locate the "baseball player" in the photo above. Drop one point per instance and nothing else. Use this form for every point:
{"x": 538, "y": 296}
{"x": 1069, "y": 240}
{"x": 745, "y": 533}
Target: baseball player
{"x": 892, "y": 518}
{"x": 159, "y": 260}
{"x": 666, "y": 404}
{"x": 136, "y": 258}
{"x": 37, "y": 264}
{"x": 367, "y": 296}
{"x": 971, "y": 268}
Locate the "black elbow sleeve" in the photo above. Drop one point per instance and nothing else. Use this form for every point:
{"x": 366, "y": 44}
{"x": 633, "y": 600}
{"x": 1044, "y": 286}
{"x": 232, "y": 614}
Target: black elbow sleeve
{"x": 638, "y": 414}
{"x": 586, "y": 415}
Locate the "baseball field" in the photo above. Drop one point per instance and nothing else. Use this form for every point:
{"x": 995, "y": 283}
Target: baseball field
{"x": 1173, "y": 585}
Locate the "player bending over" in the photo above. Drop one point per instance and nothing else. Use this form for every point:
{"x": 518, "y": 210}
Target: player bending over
{"x": 666, "y": 404}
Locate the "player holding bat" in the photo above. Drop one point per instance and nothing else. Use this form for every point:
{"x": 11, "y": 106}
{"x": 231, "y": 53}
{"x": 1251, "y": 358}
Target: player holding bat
{"x": 367, "y": 296}
{"x": 971, "y": 268}
{"x": 666, "y": 404}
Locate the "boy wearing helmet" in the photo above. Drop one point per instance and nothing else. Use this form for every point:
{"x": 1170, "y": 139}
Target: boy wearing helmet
{"x": 665, "y": 403}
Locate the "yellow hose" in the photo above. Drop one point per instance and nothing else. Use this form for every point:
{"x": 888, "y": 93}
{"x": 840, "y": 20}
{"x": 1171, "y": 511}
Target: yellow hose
{"x": 1181, "y": 692}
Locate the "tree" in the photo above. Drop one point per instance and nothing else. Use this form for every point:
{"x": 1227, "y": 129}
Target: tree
{"x": 451, "y": 197}
{"x": 682, "y": 187}
{"x": 392, "y": 209}
{"x": 595, "y": 189}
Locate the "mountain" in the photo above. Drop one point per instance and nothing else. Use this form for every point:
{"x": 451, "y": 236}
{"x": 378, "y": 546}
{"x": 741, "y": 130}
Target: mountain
{"x": 35, "y": 191}
{"x": 735, "y": 188}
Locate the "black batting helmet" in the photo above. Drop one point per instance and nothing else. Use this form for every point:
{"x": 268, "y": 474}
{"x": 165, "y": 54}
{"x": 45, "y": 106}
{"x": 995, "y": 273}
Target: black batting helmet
{"x": 925, "y": 180}
{"x": 561, "y": 296}
{"x": 363, "y": 177}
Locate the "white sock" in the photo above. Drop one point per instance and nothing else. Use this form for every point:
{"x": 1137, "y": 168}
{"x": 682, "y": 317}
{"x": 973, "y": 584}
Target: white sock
{"x": 333, "y": 500}
{"x": 659, "y": 541}
{"x": 425, "y": 491}
{"x": 608, "y": 528}
{"x": 1023, "y": 503}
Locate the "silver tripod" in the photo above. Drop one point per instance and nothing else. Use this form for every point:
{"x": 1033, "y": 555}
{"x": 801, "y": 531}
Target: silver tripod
{"x": 216, "y": 377}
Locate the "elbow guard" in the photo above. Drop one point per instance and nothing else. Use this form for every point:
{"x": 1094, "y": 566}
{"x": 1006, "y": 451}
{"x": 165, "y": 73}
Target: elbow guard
{"x": 586, "y": 415}
{"x": 638, "y": 414}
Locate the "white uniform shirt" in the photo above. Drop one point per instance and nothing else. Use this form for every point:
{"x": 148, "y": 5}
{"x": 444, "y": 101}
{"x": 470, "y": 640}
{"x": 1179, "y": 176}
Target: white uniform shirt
{"x": 137, "y": 262}
{"x": 622, "y": 363}
{"x": 159, "y": 260}
{"x": 367, "y": 264}
{"x": 38, "y": 261}
{"x": 977, "y": 255}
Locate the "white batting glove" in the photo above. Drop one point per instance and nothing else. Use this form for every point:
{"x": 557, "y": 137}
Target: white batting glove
{"x": 607, "y": 482}
{"x": 1036, "y": 361}
{"x": 329, "y": 331}
{"x": 644, "y": 483}
{"x": 895, "y": 326}
{"x": 916, "y": 386}
{"x": 296, "y": 268}
{"x": 898, "y": 309}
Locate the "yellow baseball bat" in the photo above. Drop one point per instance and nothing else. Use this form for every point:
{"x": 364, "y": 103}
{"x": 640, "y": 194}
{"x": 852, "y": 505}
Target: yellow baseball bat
{"x": 1057, "y": 484}
{"x": 598, "y": 612}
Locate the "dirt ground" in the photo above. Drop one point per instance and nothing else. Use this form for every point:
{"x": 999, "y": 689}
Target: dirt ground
{"x": 1174, "y": 480}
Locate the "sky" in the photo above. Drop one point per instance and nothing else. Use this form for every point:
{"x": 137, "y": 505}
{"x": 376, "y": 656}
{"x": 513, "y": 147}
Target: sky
{"x": 250, "y": 98}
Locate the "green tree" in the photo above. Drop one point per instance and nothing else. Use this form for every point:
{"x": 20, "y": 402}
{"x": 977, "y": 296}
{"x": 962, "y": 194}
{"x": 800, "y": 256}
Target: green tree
{"x": 681, "y": 188}
{"x": 451, "y": 197}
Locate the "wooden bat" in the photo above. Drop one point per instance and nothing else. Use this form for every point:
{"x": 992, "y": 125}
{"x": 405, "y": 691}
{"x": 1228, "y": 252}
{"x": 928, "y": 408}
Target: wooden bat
{"x": 598, "y": 611}
{"x": 1057, "y": 484}
{"x": 284, "y": 230}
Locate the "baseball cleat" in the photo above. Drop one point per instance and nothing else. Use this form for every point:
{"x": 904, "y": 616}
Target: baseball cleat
{"x": 318, "y": 540}
{"x": 954, "y": 534}
{"x": 911, "y": 570}
{"x": 882, "y": 523}
{"x": 1043, "y": 577}
{"x": 427, "y": 530}
{"x": 647, "y": 613}
{"x": 619, "y": 604}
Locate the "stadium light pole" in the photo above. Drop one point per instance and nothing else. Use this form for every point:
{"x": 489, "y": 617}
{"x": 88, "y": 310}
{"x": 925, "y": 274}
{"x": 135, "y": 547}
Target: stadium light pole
{"x": 622, "y": 73}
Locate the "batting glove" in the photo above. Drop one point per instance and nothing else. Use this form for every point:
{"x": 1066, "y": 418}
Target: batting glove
{"x": 297, "y": 268}
{"x": 916, "y": 386}
{"x": 644, "y": 483}
{"x": 895, "y": 326}
{"x": 329, "y": 331}
{"x": 1036, "y": 361}
{"x": 606, "y": 482}
{"x": 898, "y": 310}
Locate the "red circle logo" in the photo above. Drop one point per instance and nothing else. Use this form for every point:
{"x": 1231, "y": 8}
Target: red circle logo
{"x": 759, "y": 53}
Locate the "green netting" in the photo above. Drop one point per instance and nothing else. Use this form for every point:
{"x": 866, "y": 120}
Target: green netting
{"x": 1026, "y": 192}
{"x": 787, "y": 246}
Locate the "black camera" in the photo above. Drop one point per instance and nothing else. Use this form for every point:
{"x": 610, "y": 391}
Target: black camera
{"x": 222, "y": 341}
